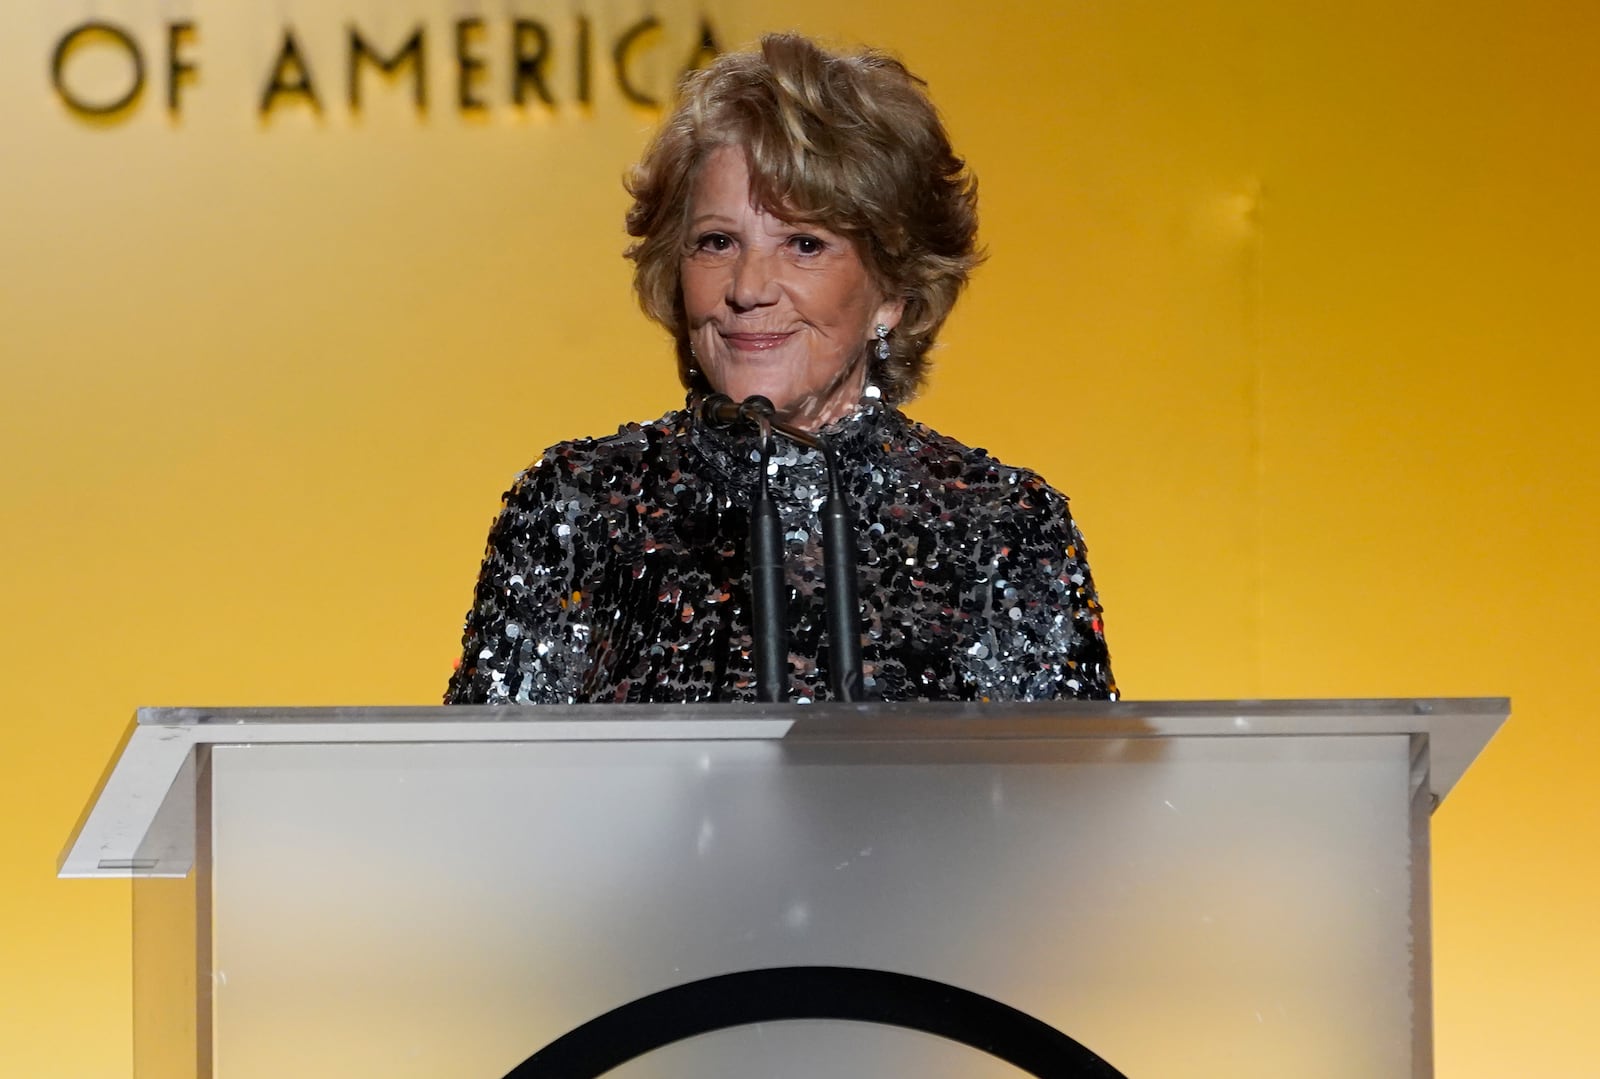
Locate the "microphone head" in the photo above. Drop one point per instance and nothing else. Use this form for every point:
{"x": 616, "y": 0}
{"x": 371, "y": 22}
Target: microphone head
{"x": 756, "y": 407}
{"x": 717, "y": 410}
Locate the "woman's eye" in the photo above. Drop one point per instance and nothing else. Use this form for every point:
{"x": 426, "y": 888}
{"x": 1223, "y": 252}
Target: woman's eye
{"x": 714, "y": 241}
{"x": 808, "y": 245}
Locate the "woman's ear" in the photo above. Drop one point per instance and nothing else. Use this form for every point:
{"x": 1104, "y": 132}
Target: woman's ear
{"x": 890, "y": 312}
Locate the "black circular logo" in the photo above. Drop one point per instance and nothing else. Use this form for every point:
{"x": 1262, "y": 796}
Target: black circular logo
{"x": 780, "y": 993}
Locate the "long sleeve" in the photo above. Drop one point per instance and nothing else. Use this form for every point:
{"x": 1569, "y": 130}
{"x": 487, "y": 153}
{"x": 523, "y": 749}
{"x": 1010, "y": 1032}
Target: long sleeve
{"x": 527, "y": 637}
{"x": 1046, "y": 634}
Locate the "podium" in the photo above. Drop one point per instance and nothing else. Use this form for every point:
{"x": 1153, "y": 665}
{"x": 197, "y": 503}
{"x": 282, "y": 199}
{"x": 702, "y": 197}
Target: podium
{"x": 1186, "y": 889}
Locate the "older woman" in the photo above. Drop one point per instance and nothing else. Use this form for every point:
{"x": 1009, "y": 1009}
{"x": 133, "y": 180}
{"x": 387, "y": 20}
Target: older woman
{"x": 802, "y": 230}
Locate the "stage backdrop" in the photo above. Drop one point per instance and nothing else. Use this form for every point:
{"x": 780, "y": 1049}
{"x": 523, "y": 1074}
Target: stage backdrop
{"x": 1294, "y": 300}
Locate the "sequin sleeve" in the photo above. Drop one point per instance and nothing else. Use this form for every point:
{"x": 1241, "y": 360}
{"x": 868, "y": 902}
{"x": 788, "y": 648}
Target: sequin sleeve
{"x": 527, "y": 637}
{"x": 1045, "y": 620}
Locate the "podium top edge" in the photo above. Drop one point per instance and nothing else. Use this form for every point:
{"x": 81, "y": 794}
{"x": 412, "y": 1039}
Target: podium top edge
{"x": 837, "y": 715}
{"x": 1457, "y": 728}
{"x": 145, "y": 777}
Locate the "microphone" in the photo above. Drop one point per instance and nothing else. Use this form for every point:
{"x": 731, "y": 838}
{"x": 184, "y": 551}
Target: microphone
{"x": 720, "y": 410}
{"x": 839, "y": 577}
{"x": 769, "y": 636}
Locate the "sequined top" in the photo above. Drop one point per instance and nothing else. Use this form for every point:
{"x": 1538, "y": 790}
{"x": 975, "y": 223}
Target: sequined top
{"x": 617, "y": 572}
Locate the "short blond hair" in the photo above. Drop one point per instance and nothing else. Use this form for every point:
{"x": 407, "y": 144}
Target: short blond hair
{"x": 850, "y": 142}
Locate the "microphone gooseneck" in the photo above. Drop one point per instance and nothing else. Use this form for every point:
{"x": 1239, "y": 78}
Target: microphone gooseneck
{"x": 771, "y": 638}
{"x": 839, "y": 576}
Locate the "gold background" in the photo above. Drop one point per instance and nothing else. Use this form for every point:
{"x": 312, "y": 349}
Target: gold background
{"x": 1294, "y": 294}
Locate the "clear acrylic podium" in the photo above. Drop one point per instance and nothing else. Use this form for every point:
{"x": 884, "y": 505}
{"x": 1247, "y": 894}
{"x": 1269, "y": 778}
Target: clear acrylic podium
{"x": 1189, "y": 889}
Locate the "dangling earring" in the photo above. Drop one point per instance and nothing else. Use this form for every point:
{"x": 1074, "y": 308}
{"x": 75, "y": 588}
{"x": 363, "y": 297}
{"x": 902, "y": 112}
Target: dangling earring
{"x": 881, "y": 349}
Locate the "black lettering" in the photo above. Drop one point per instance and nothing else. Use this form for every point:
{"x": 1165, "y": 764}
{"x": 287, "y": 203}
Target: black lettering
{"x": 705, "y": 50}
{"x": 291, "y": 77}
{"x": 413, "y": 52}
{"x": 619, "y": 57}
{"x": 178, "y": 69}
{"x": 583, "y": 59}
{"x": 469, "y": 68}
{"x": 69, "y": 44}
{"x": 530, "y": 47}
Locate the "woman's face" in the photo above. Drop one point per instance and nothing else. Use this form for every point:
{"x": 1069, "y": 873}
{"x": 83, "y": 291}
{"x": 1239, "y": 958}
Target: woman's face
{"x": 785, "y": 311}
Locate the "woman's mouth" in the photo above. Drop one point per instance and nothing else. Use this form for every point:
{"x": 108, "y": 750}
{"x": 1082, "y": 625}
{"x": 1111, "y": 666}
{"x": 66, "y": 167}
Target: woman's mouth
{"x": 755, "y": 342}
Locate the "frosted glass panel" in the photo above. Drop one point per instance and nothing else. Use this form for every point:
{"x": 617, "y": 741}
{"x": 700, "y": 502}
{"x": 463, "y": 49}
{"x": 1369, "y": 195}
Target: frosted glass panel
{"x": 1200, "y": 907}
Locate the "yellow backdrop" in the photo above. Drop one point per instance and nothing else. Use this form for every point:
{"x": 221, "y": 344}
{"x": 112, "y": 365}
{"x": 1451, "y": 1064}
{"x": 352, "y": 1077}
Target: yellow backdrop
{"x": 1294, "y": 293}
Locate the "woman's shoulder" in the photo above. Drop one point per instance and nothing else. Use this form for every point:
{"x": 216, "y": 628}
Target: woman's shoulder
{"x": 973, "y": 474}
{"x": 582, "y": 466}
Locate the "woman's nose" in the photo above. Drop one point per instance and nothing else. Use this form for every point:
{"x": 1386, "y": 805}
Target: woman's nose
{"x": 754, "y": 281}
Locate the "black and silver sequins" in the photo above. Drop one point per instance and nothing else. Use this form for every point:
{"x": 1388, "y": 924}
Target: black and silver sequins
{"x": 616, "y": 572}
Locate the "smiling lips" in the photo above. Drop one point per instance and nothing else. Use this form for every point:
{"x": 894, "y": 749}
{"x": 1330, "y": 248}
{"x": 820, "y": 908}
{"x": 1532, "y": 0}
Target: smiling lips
{"x": 755, "y": 342}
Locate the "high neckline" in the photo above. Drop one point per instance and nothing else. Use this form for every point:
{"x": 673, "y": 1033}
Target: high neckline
{"x": 862, "y": 436}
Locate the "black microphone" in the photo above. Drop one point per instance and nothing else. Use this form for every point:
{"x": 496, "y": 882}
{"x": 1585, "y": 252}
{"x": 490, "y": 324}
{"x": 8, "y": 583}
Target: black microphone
{"x": 767, "y": 624}
{"x": 839, "y": 577}
{"x": 720, "y": 410}
{"x": 769, "y": 636}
